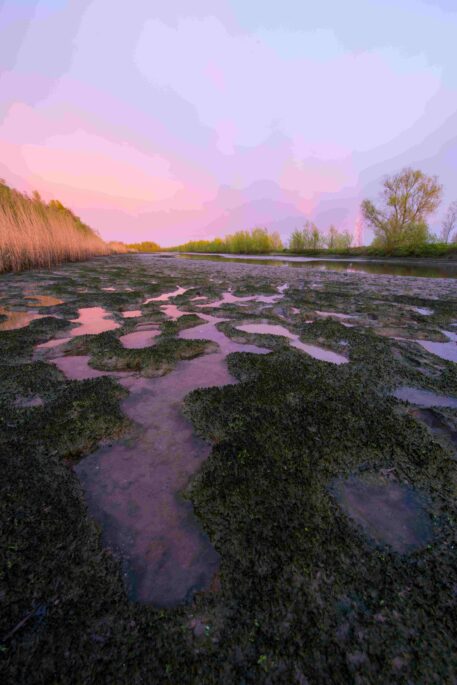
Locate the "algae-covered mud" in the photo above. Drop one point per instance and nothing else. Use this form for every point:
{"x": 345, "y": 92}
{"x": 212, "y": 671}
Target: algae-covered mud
{"x": 219, "y": 472}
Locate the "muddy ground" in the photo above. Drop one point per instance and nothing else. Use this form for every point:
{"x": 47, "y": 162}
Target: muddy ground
{"x": 315, "y": 501}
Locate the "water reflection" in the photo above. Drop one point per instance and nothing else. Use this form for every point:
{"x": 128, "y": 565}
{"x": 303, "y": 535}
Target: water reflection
{"x": 354, "y": 266}
{"x": 446, "y": 350}
{"x": 93, "y": 320}
{"x": 388, "y": 512}
{"x": 424, "y": 398}
{"x": 139, "y": 339}
{"x": 133, "y": 488}
{"x": 17, "y": 319}
{"x": 313, "y": 350}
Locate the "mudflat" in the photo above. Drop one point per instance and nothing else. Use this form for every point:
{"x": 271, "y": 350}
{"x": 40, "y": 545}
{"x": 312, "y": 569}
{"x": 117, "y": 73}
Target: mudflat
{"x": 223, "y": 472}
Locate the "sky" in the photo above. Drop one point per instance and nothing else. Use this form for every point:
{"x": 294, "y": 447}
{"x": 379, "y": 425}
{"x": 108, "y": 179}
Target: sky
{"x": 182, "y": 120}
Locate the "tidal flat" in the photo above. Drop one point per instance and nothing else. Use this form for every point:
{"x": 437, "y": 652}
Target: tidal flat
{"x": 227, "y": 472}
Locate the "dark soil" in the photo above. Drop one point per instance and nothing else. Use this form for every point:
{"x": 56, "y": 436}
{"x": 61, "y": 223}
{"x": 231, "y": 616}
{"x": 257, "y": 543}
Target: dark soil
{"x": 305, "y": 592}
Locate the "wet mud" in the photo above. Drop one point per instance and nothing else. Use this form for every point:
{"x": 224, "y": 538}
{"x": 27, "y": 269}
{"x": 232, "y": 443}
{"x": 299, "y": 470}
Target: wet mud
{"x": 179, "y": 509}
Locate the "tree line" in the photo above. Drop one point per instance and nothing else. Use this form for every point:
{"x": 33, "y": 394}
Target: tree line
{"x": 399, "y": 220}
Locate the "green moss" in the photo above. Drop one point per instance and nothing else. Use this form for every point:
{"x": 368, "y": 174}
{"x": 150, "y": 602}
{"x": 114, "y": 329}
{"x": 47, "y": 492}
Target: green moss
{"x": 186, "y": 321}
{"x": 19, "y": 343}
{"x": 108, "y": 354}
{"x": 305, "y": 596}
{"x": 312, "y": 580}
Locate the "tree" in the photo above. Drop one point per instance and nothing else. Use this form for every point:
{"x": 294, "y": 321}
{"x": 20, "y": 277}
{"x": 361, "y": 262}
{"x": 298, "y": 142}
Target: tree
{"x": 407, "y": 199}
{"x": 449, "y": 223}
{"x": 296, "y": 241}
{"x": 309, "y": 238}
{"x": 338, "y": 240}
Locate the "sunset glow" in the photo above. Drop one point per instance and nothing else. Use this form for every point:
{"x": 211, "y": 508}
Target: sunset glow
{"x": 177, "y": 121}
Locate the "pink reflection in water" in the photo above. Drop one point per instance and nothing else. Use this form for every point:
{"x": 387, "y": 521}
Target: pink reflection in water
{"x": 172, "y": 311}
{"x": 230, "y": 298}
{"x": 133, "y": 489}
{"x": 16, "y": 320}
{"x": 132, "y": 314}
{"x": 313, "y": 350}
{"x": 139, "y": 339}
{"x": 447, "y": 350}
{"x": 52, "y": 343}
{"x": 93, "y": 320}
{"x": 166, "y": 296}
{"x": 76, "y": 368}
{"x": 44, "y": 300}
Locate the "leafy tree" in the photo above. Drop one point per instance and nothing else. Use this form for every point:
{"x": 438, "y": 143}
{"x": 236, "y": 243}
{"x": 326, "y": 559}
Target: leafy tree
{"x": 296, "y": 241}
{"x": 256, "y": 241}
{"x": 406, "y": 201}
{"x": 450, "y": 223}
{"x": 338, "y": 240}
{"x": 308, "y": 238}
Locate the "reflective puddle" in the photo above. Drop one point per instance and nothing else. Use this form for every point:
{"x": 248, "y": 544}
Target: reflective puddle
{"x": 93, "y": 320}
{"x": 436, "y": 424}
{"x": 313, "y": 350}
{"x": 229, "y": 298}
{"x": 55, "y": 342}
{"x": 139, "y": 339}
{"x": 446, "y": 350}
{"x": 172, "y": 311}
{"x": 424, "y": 398}
{"x": 388, "y": 512}
{"x": 133, "y": 487}
{"x": 76, "y": 368}
{"x": 132, "y": 314}
{"x": 166, "y": 296}
{"x": 16, "y": 320}
{"x": 44, "y": 300}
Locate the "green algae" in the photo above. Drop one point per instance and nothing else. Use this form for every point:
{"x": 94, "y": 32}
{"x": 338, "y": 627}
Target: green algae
{"x": 303, "y": 594}
{"x": 108, "y": 354}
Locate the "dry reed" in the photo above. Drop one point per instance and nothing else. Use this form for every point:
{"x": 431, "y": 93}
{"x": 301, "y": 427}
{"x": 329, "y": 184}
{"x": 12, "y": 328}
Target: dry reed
{"x": 33, "y": 234}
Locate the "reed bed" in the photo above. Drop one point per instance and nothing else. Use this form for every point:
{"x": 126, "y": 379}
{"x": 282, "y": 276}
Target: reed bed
{"x": 34, "y": 234}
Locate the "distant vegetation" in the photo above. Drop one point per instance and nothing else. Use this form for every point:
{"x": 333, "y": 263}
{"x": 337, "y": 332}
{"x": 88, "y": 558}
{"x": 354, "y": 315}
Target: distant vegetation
{"x": 118, "y": 247}
{"x": 255, "y": 241}
{"x": 36, "y": 234}
{"x": 311, "y": 238}
{"x": 146, "y": 246}
{"x": 398, "y": 220}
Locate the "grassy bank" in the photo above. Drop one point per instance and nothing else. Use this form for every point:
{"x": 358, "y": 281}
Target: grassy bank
{"x": 426, "y": 250}
{"x": 36, "y": 234}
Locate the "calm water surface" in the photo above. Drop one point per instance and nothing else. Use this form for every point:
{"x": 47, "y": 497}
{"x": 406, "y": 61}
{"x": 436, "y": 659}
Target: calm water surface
{"x": 355, "y": 266}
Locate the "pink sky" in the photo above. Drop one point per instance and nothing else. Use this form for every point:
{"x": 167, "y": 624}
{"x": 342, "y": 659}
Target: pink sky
{"x": 159, "y": 122}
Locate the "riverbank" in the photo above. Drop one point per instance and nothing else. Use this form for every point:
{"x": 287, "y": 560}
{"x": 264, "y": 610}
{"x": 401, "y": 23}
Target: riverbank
{"x": 305, "y": 494}
{"x": 440, "y": 251}
{"x": 435, "y": 268}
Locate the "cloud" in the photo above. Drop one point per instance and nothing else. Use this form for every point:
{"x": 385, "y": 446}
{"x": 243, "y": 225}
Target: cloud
{"x": 180, "y": 118}
{"x": 326, "y": 96}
